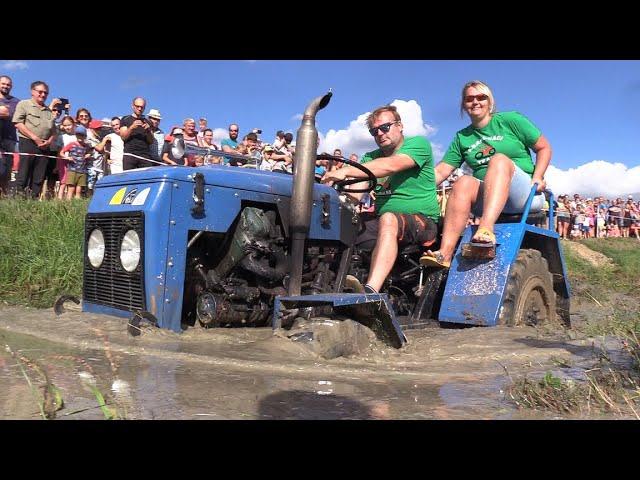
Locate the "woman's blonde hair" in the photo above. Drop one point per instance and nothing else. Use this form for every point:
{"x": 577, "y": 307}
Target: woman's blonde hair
{"x": 482, "y": 88}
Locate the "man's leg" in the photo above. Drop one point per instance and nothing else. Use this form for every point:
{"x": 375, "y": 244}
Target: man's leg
{"x": 386, "y": 251}
{"x": 25, "y": 166}
{"x": 39, "y": 173}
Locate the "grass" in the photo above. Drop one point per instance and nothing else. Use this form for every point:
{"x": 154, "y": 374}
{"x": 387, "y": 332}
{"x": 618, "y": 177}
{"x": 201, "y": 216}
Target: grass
{"x": 622, "y": 277}
{"x": 41, "y": 248}
{"x": 607, "y": 388}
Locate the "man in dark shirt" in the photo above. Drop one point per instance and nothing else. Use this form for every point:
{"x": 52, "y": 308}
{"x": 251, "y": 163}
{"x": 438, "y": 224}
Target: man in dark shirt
{"x": 137, "y": 136}
{"x": 8, "y": 137}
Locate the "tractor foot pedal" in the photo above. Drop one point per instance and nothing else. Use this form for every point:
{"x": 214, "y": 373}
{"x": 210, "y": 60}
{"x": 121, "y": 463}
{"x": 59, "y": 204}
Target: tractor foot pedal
{"x": 478, "y": 251}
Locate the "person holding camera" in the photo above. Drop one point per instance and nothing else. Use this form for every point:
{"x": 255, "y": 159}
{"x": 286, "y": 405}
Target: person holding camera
{"x": 137, "y": 136}
{"x": 36, "y": 132}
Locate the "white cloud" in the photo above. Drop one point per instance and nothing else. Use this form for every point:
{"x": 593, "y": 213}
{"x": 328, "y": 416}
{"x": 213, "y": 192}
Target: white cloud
{"x": 220, "y": 134}
{"x": 355, "y": 138}
{"x": 597, "y": 177}
{"x": 297, "y": 117}
{"x": 12, "y": 65}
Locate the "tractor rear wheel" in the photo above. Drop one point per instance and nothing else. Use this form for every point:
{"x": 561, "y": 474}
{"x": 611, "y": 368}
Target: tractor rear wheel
{"x": 529, "y": 298}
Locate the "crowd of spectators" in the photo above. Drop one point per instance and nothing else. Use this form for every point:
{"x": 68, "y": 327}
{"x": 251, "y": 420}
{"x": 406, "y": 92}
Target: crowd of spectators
{"x": 43, "y": 145}
{"x": 577, "y": 217}
{"x": 49, "y": 153}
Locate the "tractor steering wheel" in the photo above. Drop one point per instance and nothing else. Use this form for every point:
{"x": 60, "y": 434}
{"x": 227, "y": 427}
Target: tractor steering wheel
{"x": 371, "y": 179}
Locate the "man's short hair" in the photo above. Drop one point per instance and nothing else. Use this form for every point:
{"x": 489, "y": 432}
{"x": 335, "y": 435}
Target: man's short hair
{"x": 251, "y": 136}
{"x": 188, "y": 120}
{"x": 288, "y": 137}
{"x": 234, "y": 125}
{"x": 7, "y": 77}
{"x": 207, "y": 130}
{"x": 38, "y": 82}
{"x": 386, "y": 108}
{"x": 115, "y": 118}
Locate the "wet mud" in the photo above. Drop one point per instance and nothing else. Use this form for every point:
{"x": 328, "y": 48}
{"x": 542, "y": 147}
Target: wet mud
{"x": 101, "y": 371}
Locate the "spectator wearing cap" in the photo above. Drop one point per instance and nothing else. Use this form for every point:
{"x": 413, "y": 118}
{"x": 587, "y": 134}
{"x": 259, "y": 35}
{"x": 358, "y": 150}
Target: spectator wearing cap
{"x": 273, "y": 161}
{"x": 249, "y": 147}
{"x": 167, "y": 154}
{"x": 230, "y": 145}
{"x": 116, "y": 147}
{"x": 136, "y": 133}
{"x": 77, "y": 155}
{"x": 158, "y": 135}
{"x": 36, "y": 132}
{"x": 8, "y": 137}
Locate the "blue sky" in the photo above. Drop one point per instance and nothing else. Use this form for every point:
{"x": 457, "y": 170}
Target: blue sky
{"x": 587, "y": 109}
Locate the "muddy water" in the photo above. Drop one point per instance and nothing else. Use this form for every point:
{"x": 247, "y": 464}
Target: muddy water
{"x": 252, "y": 374}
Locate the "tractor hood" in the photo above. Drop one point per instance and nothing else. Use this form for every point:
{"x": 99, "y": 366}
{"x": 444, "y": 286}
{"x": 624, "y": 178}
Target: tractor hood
{"x": 229, "y": 177}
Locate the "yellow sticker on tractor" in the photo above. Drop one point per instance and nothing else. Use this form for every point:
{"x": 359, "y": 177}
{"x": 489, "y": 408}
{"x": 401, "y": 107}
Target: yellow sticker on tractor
{"x": 118, "y": 196}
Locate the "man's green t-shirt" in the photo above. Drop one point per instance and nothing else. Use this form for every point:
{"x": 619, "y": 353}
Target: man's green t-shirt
{"x": 509, "y": 133}
{"x": 412, "y": 190}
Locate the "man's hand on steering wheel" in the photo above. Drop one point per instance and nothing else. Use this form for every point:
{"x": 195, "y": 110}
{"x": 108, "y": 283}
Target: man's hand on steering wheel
{"x": 338, "y": 178}
{"x": 332, "y": 177}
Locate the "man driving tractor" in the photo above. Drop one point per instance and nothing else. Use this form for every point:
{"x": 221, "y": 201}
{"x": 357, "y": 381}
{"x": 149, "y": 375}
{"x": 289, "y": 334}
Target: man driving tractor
{"x": 407, "y": 208}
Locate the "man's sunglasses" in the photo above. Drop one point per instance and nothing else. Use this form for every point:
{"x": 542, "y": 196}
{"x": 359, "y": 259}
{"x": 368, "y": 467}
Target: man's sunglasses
{"x": 480, "y": 98}
{"x": 385, "y": 127}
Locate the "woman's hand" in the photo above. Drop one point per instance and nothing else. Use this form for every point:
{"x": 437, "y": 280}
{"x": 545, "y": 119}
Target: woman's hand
{"x": 542, "y": 184}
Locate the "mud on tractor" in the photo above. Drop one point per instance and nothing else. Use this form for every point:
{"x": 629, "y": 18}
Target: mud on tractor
{"x": 216, "y": 246}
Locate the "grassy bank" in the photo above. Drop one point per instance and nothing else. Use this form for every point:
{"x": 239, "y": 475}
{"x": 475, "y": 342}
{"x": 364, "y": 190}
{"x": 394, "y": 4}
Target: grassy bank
{"x": 40, "y": 250}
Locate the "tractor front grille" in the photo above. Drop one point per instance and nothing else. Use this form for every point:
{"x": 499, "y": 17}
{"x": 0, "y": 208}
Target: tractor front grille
{"x": 111, "y": 284}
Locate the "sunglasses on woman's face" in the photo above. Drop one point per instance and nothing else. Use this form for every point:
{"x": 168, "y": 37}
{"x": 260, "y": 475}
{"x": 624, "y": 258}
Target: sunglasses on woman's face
{"x": 480, "y": 98}
{"x": 385, "y": 127}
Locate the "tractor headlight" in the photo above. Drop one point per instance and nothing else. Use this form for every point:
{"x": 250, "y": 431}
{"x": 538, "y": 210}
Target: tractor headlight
{"x": 95, "y": 248}
{"x": 130, "y": 251}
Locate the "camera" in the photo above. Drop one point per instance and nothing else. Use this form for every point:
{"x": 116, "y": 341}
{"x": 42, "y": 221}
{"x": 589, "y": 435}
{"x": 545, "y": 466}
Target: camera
{"x": 63, "y": 102}
{"x": 257, "y": 130}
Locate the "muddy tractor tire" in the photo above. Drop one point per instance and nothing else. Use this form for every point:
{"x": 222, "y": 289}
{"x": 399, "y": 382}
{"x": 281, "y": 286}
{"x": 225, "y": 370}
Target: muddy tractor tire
{"x": 529, "y": 298}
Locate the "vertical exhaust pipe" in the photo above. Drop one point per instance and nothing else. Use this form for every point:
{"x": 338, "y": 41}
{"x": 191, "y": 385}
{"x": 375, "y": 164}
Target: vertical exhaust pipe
{"x": 304, "y": 163}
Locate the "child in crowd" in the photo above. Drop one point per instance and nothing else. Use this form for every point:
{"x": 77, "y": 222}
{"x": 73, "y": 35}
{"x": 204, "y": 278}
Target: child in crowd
{"x": 67, "y": 128}
{"x": 198, "y": 160}
{"x": 77, "y": 154}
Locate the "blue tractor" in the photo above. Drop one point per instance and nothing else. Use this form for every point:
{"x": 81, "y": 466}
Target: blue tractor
{"x": 226, "y": 247}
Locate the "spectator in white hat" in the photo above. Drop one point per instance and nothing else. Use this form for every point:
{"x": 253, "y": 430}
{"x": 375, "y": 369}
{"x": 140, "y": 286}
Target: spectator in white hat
{"x": 158, "y": 135}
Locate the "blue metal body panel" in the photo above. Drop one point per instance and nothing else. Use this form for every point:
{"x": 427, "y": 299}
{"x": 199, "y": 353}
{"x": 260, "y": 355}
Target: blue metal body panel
{"x": 165, "y": 194}
{"x": 475, "y": 289}
{"x": 381, "y": 320}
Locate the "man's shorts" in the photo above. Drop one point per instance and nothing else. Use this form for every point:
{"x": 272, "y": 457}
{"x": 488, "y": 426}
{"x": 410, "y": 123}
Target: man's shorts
{"x": 76, "y": 179}
{"x": 413, "y": 229}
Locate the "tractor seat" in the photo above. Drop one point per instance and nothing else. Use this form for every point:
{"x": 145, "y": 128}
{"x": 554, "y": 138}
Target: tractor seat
{"x": 532, "y": 219}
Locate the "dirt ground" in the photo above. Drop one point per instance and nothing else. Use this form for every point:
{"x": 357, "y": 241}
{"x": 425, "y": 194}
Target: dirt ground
{"x": 254, "y": 374}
